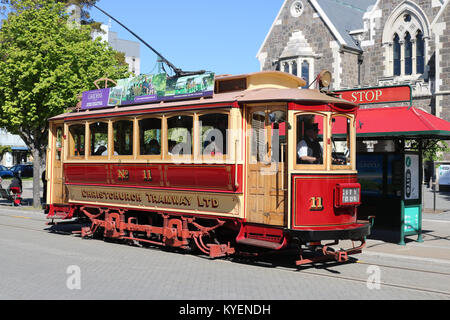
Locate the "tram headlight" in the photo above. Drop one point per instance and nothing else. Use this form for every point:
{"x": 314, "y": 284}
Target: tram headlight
{"x": 347, "y": 194}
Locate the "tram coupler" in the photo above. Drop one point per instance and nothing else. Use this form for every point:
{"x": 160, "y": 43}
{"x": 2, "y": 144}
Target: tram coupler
{"x": 342, "y": 255}
{"x": 220, "y": 250}
{"x": 328, "y": 253}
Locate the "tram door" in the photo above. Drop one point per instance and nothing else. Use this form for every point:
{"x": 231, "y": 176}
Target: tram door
{"x": 57, "y": 193}
{"x": 266, "y": 169}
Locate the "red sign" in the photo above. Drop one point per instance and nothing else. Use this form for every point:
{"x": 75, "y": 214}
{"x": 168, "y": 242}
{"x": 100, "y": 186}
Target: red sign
{"x": 377, "y": 95}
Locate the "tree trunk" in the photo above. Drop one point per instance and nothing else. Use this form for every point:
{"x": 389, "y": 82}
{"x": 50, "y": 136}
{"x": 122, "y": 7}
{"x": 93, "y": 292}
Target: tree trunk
{"x": 36, "y": 178}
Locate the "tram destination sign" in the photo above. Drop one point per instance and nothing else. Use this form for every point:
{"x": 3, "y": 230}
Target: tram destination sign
{"x": 148, "y": 88}
{"x": 389, "y": 94}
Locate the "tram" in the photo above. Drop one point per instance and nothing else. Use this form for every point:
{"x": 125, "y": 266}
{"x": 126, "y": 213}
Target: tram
{"x": 260, "y": 164}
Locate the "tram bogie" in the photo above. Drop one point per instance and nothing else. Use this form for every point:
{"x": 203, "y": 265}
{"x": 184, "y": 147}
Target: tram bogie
{"x": 260, "y": 164}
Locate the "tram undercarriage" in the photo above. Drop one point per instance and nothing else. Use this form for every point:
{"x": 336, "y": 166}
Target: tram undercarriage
{"x": 216, "y": 237}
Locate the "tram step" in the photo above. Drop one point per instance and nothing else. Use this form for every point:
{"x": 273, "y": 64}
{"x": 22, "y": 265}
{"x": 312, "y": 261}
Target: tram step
{"x": 260, "y": 243}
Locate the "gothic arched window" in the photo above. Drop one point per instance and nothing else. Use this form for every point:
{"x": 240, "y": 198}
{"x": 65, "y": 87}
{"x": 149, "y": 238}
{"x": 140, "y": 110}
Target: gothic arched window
{"x": 294, "y": 68}
{"x": 405, "y": 39}
{"x": 397, "y": 62}
{"x": 420, "y": 53}
{"x": 305, "y": 72}
{"x": 408, "y": 54}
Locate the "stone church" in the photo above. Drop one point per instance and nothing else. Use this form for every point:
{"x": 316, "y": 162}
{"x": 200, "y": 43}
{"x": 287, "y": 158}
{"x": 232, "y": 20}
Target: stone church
{"x": 366, "y": 43}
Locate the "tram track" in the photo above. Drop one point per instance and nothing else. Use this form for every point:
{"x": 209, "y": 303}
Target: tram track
{"x": 308, "y": 271}
{"x": 23, "y": 228}
{"x": 382, "y": 283}
{"x": 404, "y": 268}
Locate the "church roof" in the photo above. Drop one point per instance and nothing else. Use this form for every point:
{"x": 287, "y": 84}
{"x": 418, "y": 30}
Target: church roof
{"x": 343, "y": 16}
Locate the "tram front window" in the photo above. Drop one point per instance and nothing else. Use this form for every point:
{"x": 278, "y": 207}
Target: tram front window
{"x": 340, "y": 137}
{"x": 310, "y": 139}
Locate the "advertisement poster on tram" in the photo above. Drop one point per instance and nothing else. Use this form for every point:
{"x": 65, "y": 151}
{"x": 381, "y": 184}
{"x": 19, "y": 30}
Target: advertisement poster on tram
{"x": 150, "y": 88}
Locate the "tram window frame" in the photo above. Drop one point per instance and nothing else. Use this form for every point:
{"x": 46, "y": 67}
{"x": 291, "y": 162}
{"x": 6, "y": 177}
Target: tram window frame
{"x": 114, "y": 154}
{"x": 226, "y": 141}
{"x": 325, "y": 156}
{"x": 71, "y": 142}
{"x": 163, "y": 141}
{"x": 59, "y": 142}
{"x": 183, "y": 157}
{"x": 109, "y": 126}
{"x": 350, "y": 142}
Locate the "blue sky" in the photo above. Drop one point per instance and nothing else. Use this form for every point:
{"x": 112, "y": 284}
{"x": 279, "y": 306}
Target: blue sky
{"x": 219, "y": 36}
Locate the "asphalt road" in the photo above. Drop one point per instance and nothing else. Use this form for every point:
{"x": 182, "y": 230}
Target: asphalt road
{"x": 38, "y": 263}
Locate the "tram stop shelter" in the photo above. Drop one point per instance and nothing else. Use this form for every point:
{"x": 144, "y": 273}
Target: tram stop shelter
{"x": 390, "y": 141}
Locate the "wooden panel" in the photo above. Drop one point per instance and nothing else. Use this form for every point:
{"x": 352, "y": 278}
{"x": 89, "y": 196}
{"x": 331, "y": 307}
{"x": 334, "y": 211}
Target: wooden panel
{"x": 57, "y": 179}
{"x": 266, "y": 184}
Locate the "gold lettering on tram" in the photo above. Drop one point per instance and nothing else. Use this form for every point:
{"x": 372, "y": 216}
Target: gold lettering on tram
{"x": 229, "y": 204}
{"x": 123, "y": 174}
{"x": 316, "y": 204}
{"x": 147, "y": 175}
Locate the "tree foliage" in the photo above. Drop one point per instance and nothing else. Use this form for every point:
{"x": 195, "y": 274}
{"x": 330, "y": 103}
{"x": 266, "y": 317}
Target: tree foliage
{"x": 432, "y": 149}
{"x": 83, "y": 4}
{"x": 45, "y": 63}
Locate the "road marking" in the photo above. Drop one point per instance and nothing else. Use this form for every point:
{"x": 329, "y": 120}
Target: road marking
{"x": 21, "y": 217}
{"x": 432, "y": 220}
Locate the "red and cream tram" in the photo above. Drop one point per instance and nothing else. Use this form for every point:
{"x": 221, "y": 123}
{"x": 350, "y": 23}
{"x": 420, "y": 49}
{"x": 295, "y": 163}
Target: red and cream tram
{"x": 260, "y": 165}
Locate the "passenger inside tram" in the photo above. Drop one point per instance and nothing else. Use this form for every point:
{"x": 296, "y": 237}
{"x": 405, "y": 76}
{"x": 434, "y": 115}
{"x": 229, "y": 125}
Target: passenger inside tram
{"x": 153, "y": 148}
{"x": 214, "y": 133}
{"x": 101, "y": 151}
{"x": 150, "y": 136}
{"x": 171, "y": 145}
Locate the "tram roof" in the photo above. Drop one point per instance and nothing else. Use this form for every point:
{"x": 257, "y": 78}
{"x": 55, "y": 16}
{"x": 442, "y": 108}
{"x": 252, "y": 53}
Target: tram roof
{"x": 254, "y": 95}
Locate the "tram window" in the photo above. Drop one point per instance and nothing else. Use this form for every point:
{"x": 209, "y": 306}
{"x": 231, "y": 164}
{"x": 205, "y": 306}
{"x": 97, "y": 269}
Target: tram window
{"x": 179, "y": 135}
{"x": 150, "y": 136}
{"x": 277, "y": 121}
{"x": 123, "y": 137}
{"x": 259, "y": 140}
{"x": 310, "y": 137}
{"x": 340, "y": 138}
{"x": 77, "y": 140}
{"x": 213, "y": 133}
{"x": 58, "y": 143}
{"x": 99, "y": 138}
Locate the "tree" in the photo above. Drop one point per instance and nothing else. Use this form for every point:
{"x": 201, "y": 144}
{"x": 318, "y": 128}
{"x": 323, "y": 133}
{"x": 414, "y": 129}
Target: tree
{"x": 45, "y": 63}
{"x": 432, "y": 149}
{"x": 83, "y": 4}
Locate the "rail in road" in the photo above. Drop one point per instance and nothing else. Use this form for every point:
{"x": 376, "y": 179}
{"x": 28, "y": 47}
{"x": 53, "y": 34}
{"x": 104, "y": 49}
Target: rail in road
{"x": 376, "y": 272}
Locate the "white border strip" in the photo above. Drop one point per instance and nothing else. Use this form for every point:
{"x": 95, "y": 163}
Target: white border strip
{"x": 390, "y": 255}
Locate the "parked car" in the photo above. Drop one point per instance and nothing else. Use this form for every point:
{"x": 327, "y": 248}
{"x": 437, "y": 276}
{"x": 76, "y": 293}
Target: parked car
{"x": 5, "y": 172}
{"x": 444, "y": 177}
{"x": 26, "y": 170}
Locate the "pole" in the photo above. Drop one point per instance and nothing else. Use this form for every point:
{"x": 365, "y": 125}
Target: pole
{"x": 434, "y": 196}
{"x": 177, "y": 71}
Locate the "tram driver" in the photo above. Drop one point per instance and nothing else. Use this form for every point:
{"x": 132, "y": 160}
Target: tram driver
{"x": 309, "y": 150}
